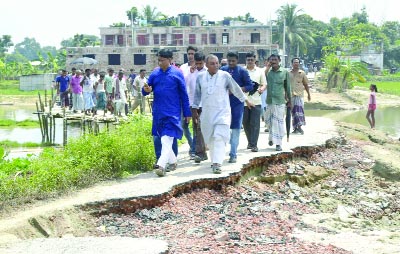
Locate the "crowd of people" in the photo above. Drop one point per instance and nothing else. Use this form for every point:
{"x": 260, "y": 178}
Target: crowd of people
{"x": 90, "y": 90}
{"x": 221, "y": 98}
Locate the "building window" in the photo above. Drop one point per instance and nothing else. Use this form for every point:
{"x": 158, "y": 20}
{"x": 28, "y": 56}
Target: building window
{"x": 90, "y": 56}
{"x": 143, "y": 39}
{"x": 163, "y": 39}
{"x": 156, "y": 39}
{"x": 114, "y": 59}
{"x": 177, "y": 39}
{"x": 139, "y": 59}
{"x": 255, "y": 37}
{"x": 225, "y": 38}
{"x": 109, "y": 39}
{"x": 242, "y": 58}
{"x": 120, "y": 40}
{"x": 204, "y": 39}
{"x": 213, "y": 38}
{"x": 192, "y": 38}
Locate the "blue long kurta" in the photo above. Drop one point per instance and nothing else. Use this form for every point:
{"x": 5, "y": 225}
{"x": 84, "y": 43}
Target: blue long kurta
{"x": 242, "y": 78}
{"x": 170, "y": 100}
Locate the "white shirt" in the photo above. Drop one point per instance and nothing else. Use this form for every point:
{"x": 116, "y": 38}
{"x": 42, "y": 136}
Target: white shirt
{"x": 212, "y": 92}
{"x": 191, "y": 83}
{"x": 88, "y": 85}
{"x": 257, "y": 75}
{"x": 122, "y": 89}
{"x": 139, "y": 83}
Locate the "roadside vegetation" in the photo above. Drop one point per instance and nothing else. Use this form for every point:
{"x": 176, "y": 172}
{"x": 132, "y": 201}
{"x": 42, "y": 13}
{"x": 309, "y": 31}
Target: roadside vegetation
{"x": 11, "y": 87}
{"x": 83, "y": 162}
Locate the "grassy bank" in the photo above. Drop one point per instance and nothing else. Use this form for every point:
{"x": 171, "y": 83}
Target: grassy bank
{"x": 389, "y": 87}
{"x": 8, "y": 123}
{"x": 14, "y": 144}
{"x": 84, "y": 162}
{"x": 11, "y": 87}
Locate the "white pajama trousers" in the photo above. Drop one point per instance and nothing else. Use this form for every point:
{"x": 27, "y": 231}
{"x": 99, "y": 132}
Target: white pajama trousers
{"x": 167, "y": 154}
{"x": 217, "y": 149}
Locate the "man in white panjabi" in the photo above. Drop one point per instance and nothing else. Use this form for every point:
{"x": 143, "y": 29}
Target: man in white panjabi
{"x": 212, "y": 92}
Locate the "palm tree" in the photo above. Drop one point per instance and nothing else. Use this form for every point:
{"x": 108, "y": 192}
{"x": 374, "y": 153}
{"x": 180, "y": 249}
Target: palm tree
{"x": 297, "y": 32}
{"x": 150, "y": 14}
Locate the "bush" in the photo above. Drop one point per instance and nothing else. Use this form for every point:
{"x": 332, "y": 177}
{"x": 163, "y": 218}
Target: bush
{"x": 82, "y": 163}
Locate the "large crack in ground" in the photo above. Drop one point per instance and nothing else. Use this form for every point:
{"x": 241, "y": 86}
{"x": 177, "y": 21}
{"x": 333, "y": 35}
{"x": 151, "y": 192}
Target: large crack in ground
{"x": 323, "y": 199}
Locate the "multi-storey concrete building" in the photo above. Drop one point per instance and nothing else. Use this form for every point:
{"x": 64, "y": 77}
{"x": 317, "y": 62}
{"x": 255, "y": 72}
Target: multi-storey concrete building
{"x": 136, "y": 47}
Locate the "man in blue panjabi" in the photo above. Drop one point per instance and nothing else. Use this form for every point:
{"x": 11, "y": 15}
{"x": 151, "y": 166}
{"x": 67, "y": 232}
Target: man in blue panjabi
{"x": 170, "y": 100}
{"x": 242, "y": 78}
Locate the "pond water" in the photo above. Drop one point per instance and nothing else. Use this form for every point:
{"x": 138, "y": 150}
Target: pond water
{"x": 386, "y": 119}
{"x": 21, "y": 135}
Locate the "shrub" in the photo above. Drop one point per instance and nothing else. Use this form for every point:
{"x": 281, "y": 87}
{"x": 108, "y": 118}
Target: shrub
{"x": 83, "y": 162}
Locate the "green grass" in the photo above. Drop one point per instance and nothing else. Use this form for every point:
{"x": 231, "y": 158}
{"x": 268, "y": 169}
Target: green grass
{"x": 83, "y": 162}
{"x": 11, "y": 87}
{"x": 389, "y": 87}
{"x": 15, "y": 144}
{"x": 8, "y": 123}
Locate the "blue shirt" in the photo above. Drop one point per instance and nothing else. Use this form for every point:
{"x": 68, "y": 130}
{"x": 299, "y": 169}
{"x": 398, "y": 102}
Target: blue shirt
{"x": 242, "y": 77}
{"x": 64, "y": 82}
{"x": 132, "y": 76}
{"x": 170, "y": 99}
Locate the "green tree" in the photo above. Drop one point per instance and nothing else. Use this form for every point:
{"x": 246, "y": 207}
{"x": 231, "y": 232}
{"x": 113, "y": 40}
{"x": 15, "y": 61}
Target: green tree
{"x": 132, "y": 14}
{"x": 150, "y": 13}
{"x": 297, "y": 31}
{"x": 81, "y": 40}
{"x": 361, "y": 17}
{"x": 392, "y": 31}
{"x": 29, "y": 48}
{"x": 5, "y": 44}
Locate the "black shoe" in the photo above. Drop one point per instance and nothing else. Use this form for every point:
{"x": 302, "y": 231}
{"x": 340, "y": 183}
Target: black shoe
{"x": 254, "y": 149}
{"x": 266, "y": 130}
{"x": 171, "y": 167}
{"x": 278, "y": 148}
{"x": 160, "y": 171}
{"x": 270, "y": 143}
{"x": 295, "y": 131}
{"x": 216, "y": 168}
{"x": 232, "y": 160}
{"x": 249, "y": 147}
{"x": 300, "y": 130}
{"x": 197, "y": 159}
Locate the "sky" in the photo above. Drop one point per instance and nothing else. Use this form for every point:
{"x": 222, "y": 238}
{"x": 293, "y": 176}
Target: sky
{"x": 51, "y": 21}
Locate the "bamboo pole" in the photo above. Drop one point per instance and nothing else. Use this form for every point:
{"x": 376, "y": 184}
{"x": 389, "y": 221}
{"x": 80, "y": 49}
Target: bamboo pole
{"x": 64, "y": 130}
{"x": 54, "y": 130}
{"x": 50, "y": 119}
{"x": 40, "y": 121}
{"x": 45, "y": 98}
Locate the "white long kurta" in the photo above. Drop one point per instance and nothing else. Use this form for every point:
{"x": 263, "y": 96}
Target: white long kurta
{"x": 212, "y": 93}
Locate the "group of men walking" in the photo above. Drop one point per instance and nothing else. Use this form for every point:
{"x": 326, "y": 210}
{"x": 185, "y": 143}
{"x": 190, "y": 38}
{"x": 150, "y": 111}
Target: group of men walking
{"x": 220, "y": 100}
